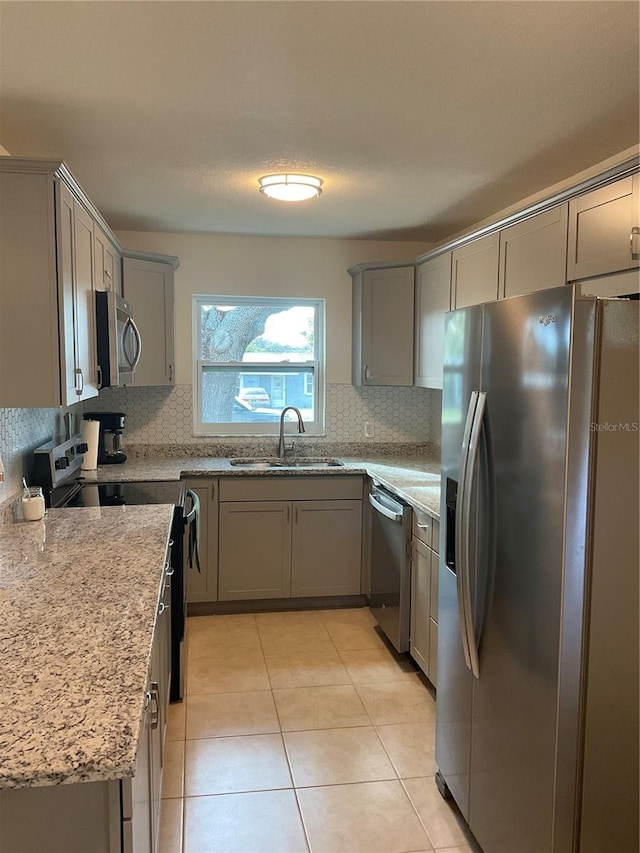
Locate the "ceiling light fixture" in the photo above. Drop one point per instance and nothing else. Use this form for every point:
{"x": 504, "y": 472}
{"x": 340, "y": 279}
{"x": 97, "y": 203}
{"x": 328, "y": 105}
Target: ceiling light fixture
{"x": 290, "y": 187}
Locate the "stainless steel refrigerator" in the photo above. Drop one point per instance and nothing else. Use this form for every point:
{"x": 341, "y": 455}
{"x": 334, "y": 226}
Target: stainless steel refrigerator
{"x": 537, "y": 705}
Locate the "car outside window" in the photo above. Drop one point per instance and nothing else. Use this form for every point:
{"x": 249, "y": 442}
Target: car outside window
{"x": 253, "y": 357}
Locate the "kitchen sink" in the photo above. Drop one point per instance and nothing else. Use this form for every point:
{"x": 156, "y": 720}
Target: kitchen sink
{"x": 297, "y": 462}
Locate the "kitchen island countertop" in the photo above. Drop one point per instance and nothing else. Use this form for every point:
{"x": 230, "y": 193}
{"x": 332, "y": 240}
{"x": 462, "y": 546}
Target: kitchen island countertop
{"x": 78, "y": 601}
{"x": 416, "y": 480}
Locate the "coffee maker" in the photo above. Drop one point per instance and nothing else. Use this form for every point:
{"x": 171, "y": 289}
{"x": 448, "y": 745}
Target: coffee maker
{"x": 110, "y": 437}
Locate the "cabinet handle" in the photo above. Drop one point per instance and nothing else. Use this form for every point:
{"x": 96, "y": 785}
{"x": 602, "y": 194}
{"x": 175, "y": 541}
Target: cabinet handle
{"x": 155, "y": 699}
{"x": 78, "y": 373}
{"x": 170, "y": 373}
{"x": 99, "y": 374}
{"x": 162, "y": 607}
{"x": 367, "y": 372}
{"x": 295, "y": 517}
{"x": 635, "y": 234}
{"x": 288, "y": 514}
{"x": 213, "y": 491}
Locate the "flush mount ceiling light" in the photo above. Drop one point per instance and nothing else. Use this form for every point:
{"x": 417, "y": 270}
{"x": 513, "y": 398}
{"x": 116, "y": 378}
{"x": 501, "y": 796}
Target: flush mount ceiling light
{"x": 290, "y": 187}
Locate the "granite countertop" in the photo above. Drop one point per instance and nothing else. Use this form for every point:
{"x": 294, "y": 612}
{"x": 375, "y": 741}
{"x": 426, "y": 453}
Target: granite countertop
{"x": 78, "y": 601}
{"x": 416, "y": 480}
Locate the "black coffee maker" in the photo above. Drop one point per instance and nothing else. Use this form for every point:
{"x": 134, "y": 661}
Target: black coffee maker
{"x": 110, "y": 438}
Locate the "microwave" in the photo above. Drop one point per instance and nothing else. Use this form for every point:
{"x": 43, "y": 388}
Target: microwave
{"x": 118, "y": 340}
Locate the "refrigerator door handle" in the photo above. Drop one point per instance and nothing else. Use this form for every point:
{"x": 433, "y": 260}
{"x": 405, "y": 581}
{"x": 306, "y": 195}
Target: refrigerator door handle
{"x": 462, "y": 531}
{"x": 470, "y": 473}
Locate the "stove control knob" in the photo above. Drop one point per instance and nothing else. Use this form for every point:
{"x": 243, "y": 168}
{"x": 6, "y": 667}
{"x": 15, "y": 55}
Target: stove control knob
{"x": 61, "y": 463}
{"x": 82, "y": 448}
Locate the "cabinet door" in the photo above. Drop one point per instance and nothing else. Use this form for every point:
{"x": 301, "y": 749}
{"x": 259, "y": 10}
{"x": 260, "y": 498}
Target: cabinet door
{"x": 420, "y": 604}
{"x": 533, "y": 253}
{"x": 432, "y": 299}
{"x": 203, "y": 586}
{"x": 148, "y": 286}
{"x": 84, "y": 306}
{"x": 255, "y": 550}
{"x": 108, "y": 263}
{"x": 327, "y": 548}
{"x": 474, "y": 272}
{"x": 604, "y": 235}
{"x": 386, "y": 356}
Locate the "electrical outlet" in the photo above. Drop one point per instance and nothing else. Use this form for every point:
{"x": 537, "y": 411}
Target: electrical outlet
{"x": 368, "y": 429}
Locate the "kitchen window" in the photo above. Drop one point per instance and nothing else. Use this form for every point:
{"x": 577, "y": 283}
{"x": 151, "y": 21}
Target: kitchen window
{"x": 253, "y": 357}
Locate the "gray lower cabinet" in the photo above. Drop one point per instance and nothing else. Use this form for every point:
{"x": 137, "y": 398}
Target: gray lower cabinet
{"x": 423, "y": 641}
{"x": 115, "y": 816}
{"x": 202, "y": 586}
{"x": 287, "y": 543}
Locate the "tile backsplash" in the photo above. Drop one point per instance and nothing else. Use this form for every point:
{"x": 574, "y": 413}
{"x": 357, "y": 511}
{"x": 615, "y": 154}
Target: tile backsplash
{"x": 164, "y": 416}
{"x": 21, "y": 431}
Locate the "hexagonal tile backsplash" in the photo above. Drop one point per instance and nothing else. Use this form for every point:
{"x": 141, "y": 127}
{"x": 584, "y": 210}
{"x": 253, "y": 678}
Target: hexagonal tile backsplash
{"x": 165, "y": 415}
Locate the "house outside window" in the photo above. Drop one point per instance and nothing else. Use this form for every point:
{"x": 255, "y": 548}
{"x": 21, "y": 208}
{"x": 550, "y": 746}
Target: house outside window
{"x": 253, "y": 357}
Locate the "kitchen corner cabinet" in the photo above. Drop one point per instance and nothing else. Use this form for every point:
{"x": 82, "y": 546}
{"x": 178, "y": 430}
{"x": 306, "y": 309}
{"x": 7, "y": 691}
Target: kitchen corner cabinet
{"x": 432, "y": 300}
{"x": 604, "y": 230}
{"x": 202, "y": 586}
{"x": 474, "y": 272}
{"x": 382, "y": 317}
{"x": 108, "y": 263}
{"x": 290, "y": 537}
{"x": 148, "y": 286}
{"x": 47, "y": 337}
{"x": 423, "y": 641}
{"x": 533, "y": 253}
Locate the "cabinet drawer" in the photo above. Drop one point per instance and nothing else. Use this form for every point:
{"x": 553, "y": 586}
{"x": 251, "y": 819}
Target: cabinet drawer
{"x": 422, "y": 526}
{"x": 290, "y": 488}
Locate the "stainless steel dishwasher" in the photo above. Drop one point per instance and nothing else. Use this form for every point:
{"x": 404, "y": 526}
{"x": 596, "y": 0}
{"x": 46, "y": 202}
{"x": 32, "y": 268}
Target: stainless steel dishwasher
{"x": 390, "y": 598}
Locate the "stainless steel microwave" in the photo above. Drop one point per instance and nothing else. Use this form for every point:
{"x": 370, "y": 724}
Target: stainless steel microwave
{"x": 118, "y": 340}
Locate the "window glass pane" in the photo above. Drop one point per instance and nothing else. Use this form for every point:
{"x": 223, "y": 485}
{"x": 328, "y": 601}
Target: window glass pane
{"x": 267, "y": 332}
{"x": 256, "y": 395}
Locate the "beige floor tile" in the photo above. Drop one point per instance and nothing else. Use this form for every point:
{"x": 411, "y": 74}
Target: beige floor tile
{"x": 263, "y": 822}
{"x": 320, "y": 708}
{"x": 372, "y": 817}
{"x": 295, "y": 639}
{"x": 230, "y": 765}
{"x": 410, "y": 747}
{"x": 348, "y": 616}
{"x": 376, "y": 665}
{"x": 306, "y": 669}
{"x": 337, "y": 756}
{"x": 232, "y": 621}
{"x": 347, "y": 636}
{"x": 441, "y": 818}
{"x": 173, "y": 769}
{"x": 176, "y": 720}
{"x": 397, "y": 701}
{"x": 222, "y": 675}
{"x": 288, "y": 617}
{"x": 170, "y": 832}
{"x": 225, "y": 714}
{"x": 229, "y": 637}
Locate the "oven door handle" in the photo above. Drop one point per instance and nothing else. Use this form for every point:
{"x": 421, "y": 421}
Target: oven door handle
{"x": 190, "y": 517}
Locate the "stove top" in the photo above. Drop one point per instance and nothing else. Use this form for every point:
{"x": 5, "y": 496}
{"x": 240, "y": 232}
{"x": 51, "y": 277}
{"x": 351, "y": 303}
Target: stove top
{"x": 78, "y": 494}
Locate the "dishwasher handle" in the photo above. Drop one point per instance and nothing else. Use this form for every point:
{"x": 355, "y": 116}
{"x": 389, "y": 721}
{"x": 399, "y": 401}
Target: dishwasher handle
{"x": 388, "y": 513}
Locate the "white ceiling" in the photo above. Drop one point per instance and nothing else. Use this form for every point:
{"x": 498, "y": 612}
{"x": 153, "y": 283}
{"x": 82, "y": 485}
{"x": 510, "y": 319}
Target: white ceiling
{"x": 421, "y": 117}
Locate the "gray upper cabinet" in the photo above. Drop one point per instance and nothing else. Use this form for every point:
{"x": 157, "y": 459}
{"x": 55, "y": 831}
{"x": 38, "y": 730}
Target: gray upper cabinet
{"x": 533, "y": 253}
{"x": 474, "y": 272}
{"x": 432, "y": 300}
{"x": 604, "y": 230}
{"x": 148, "y": 286}
{"x": 383, "y": 325}
{"x": 47, "y": 337}
{"x": 107, "y": 263}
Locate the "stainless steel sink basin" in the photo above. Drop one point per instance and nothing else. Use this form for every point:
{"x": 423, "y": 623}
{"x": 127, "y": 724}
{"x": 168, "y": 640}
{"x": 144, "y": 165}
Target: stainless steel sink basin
{"x": 295, "y": 462}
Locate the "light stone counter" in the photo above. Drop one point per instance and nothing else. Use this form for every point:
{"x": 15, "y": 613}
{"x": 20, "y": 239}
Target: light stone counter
{"x": 78, "y": 601}
{"x": 416, "y": 480}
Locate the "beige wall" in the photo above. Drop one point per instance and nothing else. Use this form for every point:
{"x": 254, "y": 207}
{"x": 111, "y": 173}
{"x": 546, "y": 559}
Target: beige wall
{"x": 268, "y": 266}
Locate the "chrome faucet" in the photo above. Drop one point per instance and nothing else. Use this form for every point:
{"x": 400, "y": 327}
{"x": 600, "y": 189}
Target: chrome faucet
{"x": 282, "y": 450}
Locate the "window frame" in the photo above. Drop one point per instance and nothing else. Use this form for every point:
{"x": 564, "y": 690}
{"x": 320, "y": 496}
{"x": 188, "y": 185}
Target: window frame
{"x": 317, "y": 367}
